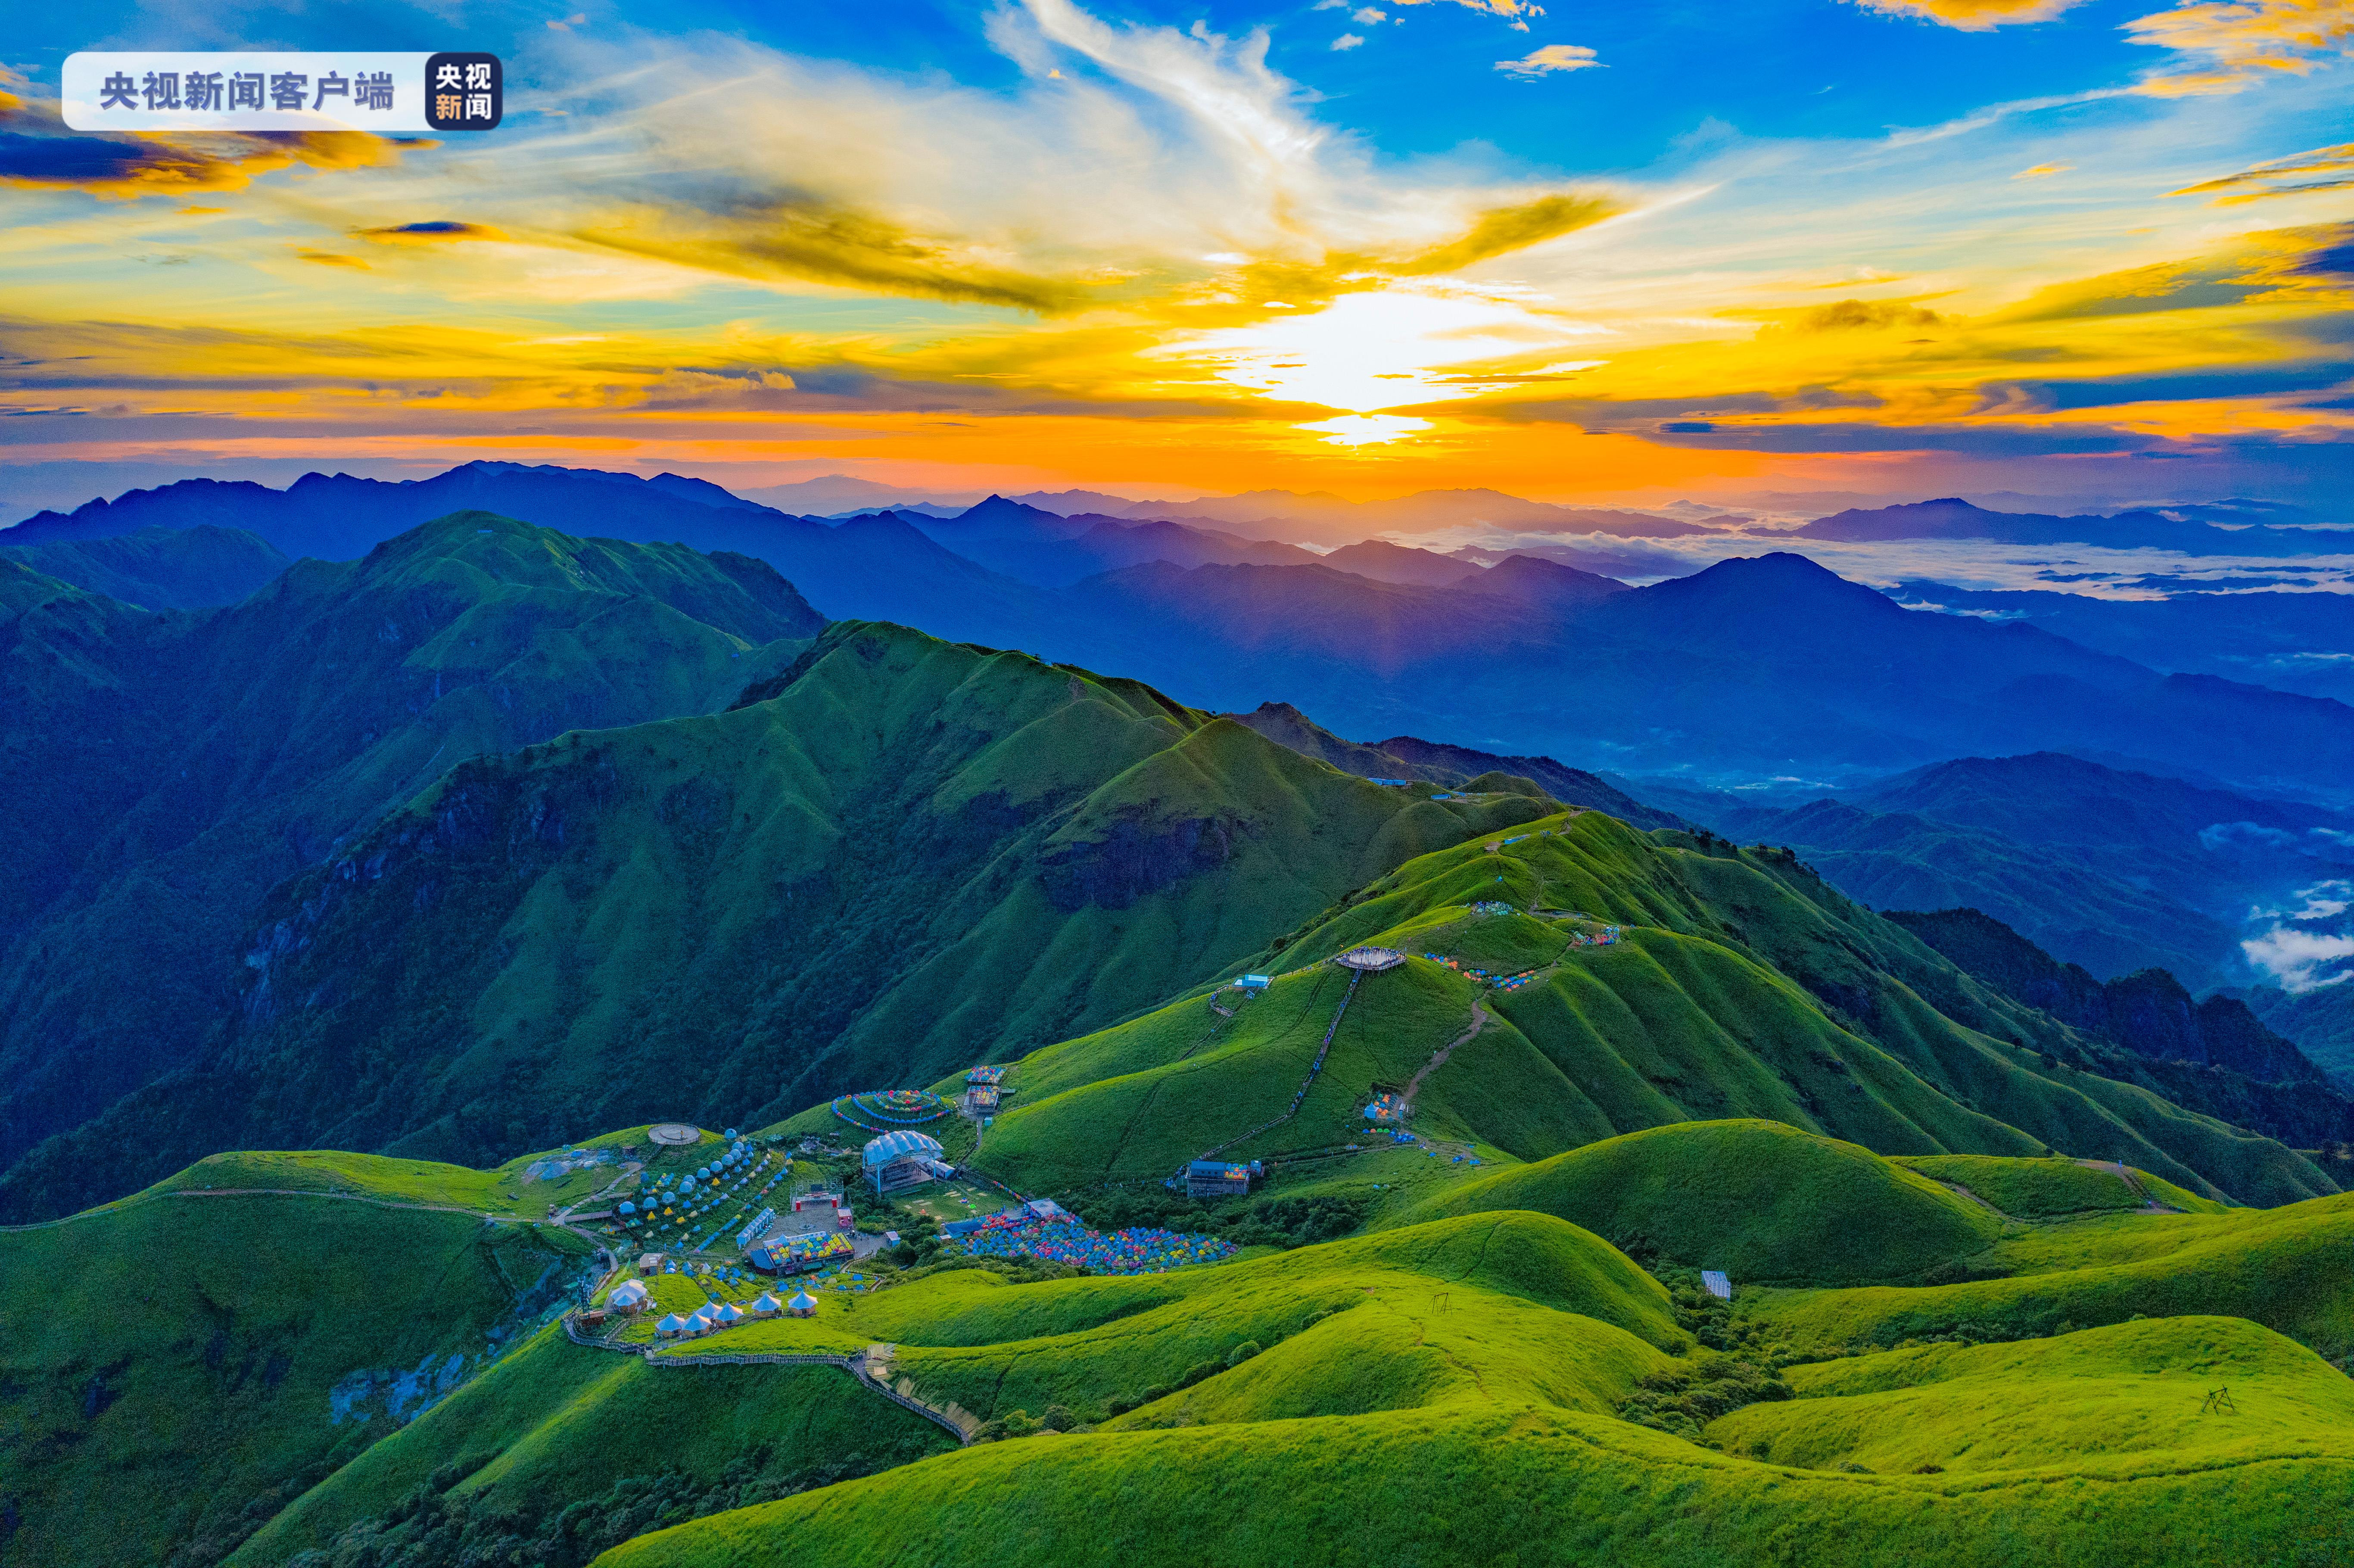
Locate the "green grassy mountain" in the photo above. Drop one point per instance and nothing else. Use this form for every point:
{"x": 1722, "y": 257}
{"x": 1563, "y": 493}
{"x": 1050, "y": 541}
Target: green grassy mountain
{"x": 185, "y": 763}
{"x": 1742, "y": 987}
{"x": 899, "y": 856}
{"x": 1759, "y": 1200}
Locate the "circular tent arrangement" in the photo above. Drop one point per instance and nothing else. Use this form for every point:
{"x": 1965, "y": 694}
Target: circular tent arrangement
{"x": 877, "y": 1108}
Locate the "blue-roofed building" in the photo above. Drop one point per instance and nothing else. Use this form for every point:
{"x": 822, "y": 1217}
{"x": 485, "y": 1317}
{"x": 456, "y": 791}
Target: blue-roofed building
{"x": 899, "y": 1161}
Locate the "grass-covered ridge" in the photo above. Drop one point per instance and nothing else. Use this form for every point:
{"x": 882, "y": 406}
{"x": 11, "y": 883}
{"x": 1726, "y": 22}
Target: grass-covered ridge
{"x": 2048, "y": 1189}
{"x": 2290, "y": 1269}
{"x": 1740, "y": 988}
{"x": 1762, "y": 1201}
{"x": 2105, "y": 1403}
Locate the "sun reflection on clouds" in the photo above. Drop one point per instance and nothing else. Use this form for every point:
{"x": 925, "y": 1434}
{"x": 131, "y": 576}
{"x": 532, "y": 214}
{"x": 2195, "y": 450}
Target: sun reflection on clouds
{"x": 1381, "y": 348}
{"x": 1367, "y": 429}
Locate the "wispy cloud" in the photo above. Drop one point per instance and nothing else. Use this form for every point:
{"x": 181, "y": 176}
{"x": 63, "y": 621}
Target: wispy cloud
{"x": 1547, "y": 58}
{"x": 2042, "y": 171}
{"x": 2227, "y": 45}
{"x": 2300, "y": 174}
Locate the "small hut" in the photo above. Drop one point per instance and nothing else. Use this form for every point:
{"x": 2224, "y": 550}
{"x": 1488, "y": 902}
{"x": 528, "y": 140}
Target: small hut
{"x": 767, "y": 1306}
{"x": 803, "y": 1304}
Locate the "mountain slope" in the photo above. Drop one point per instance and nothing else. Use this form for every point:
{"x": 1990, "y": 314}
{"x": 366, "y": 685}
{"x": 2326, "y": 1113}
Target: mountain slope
{"x": 1743, "y": 988}
{"x": 2295, "y": 642}
{"x": 1456, "y": 766}
{"x": 901, "y": 857}
{"x": 167, "y": 1365}
{"x": 161, "y": 569}
{"x": 191, "y": 762}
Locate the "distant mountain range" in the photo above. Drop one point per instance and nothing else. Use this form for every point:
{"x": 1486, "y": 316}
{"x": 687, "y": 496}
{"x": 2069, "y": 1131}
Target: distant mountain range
{"x": 1954, "y": 518}
{"x": 2214, "y": 1056}
{"x": 1758, "y": 666}
{"x": 2292, "y": 641}
{"x": 2111, "y": 870}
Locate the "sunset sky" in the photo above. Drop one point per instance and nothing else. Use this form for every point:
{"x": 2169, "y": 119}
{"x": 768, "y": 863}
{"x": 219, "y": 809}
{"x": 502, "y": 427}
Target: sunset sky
{"x": 1632, "y": 254}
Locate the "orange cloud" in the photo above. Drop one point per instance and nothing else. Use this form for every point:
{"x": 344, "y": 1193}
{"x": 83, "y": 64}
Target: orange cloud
{"x": 2227, "y": 44}
{"x": 1971, "y": 16}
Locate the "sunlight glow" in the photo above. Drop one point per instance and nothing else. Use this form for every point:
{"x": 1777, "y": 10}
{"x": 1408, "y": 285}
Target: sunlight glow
{"x": 1379, "y": 349}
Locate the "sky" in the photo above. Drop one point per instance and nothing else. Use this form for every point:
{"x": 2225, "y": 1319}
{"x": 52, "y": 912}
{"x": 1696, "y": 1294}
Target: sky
{"x": 2100, "y": 252}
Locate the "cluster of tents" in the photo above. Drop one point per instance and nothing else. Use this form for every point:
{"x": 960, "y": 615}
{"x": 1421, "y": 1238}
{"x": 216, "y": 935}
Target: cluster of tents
{"x": 1150, "y": 1250}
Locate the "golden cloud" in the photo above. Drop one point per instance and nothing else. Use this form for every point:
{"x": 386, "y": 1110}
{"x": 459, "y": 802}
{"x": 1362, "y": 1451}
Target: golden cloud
{"x": 2227, "y": 44}
{"x": 2282, "y": 176}
{"x": 1503, "y": 230}
{"x": 1971, "y": 16}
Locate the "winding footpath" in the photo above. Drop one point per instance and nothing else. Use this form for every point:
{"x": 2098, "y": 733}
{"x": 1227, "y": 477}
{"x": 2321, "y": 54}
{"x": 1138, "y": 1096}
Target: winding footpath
{"x": 871, "y": 1367}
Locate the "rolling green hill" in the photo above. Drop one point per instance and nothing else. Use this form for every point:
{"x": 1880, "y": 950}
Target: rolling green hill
{"x": 901, "y": 857}
{"x": 1759, "y": 1200}
{"x": 183, "y": 764}
{"x": 1424, "y": 1413}
{"x": 1497, "y": 1381}
{"x": 2291, "y": 1269}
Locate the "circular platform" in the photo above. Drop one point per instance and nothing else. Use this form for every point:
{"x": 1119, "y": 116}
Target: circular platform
{"x": 675, "y": 1134}
{"x": 1371, "y": 958}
